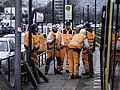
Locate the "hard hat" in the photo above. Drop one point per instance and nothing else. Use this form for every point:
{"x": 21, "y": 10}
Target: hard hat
{"x": 83, "y": 31}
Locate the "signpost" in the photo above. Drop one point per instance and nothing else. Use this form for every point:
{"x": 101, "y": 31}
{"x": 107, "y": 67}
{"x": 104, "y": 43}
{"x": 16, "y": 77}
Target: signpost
{"x": 38, "y": 17}
{"x": 68, "y": 12}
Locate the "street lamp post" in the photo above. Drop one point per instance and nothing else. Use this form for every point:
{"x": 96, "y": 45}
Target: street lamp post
{"x": 88, "y": 12}
{"x": 64, "y": 12}
{"x": 30, "y": 24}
{"x": 95, "y": 16}
{"x": 18, "y": 45}
{"x": 53, "y": 12}
{"x": 68, "y": 2}
{"x": 83, "y": 14}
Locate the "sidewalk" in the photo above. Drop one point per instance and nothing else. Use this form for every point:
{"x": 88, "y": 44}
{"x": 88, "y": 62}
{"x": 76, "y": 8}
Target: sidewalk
{"x": 61, "y": 82}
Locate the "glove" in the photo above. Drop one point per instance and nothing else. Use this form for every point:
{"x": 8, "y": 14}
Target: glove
{"x": 61, "y": 46}
{"x": 58, "y": 46}
{"x": 53, "y": 40}
{"x": 36, "y": 48}
{"x": 88, "y": 50}
{"x": 93, "y": 50}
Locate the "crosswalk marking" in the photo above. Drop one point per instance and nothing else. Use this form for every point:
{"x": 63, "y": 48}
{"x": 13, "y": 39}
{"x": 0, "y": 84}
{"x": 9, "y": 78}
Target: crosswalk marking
{"x": 96, "y": 87}
{"x": 97, "y": 81}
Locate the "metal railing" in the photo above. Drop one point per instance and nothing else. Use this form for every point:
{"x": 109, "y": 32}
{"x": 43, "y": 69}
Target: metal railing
{"x": 7, "y": 64}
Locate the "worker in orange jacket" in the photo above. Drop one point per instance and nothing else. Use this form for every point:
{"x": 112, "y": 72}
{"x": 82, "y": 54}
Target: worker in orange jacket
{"x": 53, "y": 37}
{"x": 35, "y": 42}
{"x": 75, "y": 47}
{"x": 118, "y": 35}
{"x": 66, "y": 38}
{"x": 91, "y": 36}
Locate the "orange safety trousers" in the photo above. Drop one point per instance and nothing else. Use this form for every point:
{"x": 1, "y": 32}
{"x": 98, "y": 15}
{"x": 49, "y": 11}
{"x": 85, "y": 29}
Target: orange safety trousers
{"x": 85, "y": 61}
{"x": 50, "y": 53}
{"x": 73, "y": 60}
{"x": 63, "y": 52}
{"x": 50, "y": 57}
{"x": 34, "y": 57}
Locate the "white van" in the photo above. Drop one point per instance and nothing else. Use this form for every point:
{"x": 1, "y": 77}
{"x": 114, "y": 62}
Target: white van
{"x": 12, "y": 36}
{"x": 7, "y": 49}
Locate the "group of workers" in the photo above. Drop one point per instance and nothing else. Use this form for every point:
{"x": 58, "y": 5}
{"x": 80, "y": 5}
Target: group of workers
{"x": 64, "y": 43}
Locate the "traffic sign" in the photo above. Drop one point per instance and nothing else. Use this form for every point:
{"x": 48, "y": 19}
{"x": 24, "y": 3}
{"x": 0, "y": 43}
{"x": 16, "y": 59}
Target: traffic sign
{"x": 39, "y": 17}
{"x": 68, "y": 12}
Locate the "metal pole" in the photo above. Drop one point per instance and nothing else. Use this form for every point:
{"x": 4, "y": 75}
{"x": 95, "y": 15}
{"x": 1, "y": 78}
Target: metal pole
{"x": 18, "y": 19}
{"x": 101, "y": 48}
{"x": 30, "y": 36}
{"x": 95, "y": 16}
{"x": 116, "y": 29}
{"x": 52, "y": 12}
{"x": 72, "y": 19}
{"x": 0, "y": 64}
{"x": 9, "y": 69}
{"x": 68, "y": 2}
{"x": 11, "y": 15}
{"x": 83, "y": 14}
{"x": 35, "y": 13}
{"x": 88, "y": 12}
{"x": 64, "y": 12}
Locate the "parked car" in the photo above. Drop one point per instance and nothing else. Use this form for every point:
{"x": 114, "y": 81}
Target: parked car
{"x": 7, "y": 26}
{"x": 23, "y": 53}
{"x": 12, "y": 36}
{"x": 7, "y": 51}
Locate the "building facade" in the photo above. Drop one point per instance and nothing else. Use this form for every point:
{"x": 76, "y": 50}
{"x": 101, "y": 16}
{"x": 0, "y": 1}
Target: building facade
{"x": 59, "y": 11}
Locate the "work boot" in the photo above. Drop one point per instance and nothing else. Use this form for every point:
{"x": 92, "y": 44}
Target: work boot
{"x": 86, "y": 73}
{"x": 67, "y": 71}
{"x": 77, "y": 77}
{"x": 46, "y": 69}
{"x": 61, "y": 68}
{"x": 57, "y": 71}
{"x": 91, "y": 76}
{"x": 71, "y": 76}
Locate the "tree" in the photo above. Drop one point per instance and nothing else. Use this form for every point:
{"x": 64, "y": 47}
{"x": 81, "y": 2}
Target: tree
{"x": 9, "y": 3}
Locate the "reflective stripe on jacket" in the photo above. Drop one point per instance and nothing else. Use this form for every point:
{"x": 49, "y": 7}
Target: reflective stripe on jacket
{"x": 26, "y": 41}
{"x": 91, "y": 37}
{"x": 51, "y": 37}
{"x": 77, "y": 41}
{"x": 67, "y": 35}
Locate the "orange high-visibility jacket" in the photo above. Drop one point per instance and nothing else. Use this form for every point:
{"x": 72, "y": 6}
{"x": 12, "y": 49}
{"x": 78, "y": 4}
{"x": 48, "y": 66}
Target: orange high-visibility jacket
{"x": 58, "y": 38}
{"x": 67, "y": 35}
{"x": 26, "y": 41}
{"x": 42, "y": 40}
{"x": 35, "y": 40}
{"x": 113, "y": 40}
{"x": 52, "y": 36}
{"x": 77, "y": 41}
{"x": 118, "y": 36}
{"x": 91, "y": 37}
